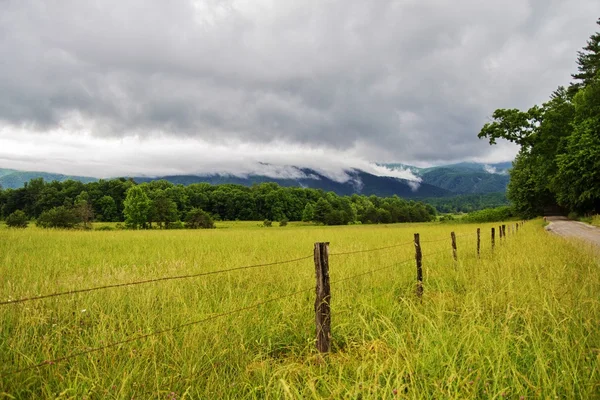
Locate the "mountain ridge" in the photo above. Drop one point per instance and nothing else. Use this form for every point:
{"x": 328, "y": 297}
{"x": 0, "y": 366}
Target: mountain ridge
{"x": 438, "y": 181}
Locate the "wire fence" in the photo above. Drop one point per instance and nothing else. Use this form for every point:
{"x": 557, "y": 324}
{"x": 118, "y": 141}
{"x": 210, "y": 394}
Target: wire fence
{"x": 321, "y": 257}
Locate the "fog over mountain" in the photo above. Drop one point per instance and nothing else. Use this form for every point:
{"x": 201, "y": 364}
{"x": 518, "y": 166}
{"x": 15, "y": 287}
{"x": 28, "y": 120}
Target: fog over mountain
{"x": 209, "y": 86}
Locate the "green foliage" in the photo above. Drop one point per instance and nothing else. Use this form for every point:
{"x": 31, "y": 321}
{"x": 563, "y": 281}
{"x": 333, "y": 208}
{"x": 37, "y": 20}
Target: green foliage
{"x": 197, "y": 218}
{"x": 162, "y": 203}
{"x": 58, "y": 217}
{"x": 308, "y": 214}
{"x": 468, "y": 202}
{"x": 459, "y": 181}
{"x": 490, "y": 215}
{"x": 267, "y": 223}
{"x": 163, "y": 209}
{"x": 18, "y": 219}
{"x": 137, "y": 208}
{"x": 559, "y": 160}
{"x": 283, "y": 222}
{"x": 588, "y": 61}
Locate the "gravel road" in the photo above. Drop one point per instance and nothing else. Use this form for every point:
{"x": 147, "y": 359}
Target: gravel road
{"x": 563, "y": 226}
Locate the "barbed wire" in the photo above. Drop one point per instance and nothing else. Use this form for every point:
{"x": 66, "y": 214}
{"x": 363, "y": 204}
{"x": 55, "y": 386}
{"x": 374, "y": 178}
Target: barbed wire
{"x": 435, "y": 240}
{"x": 370, "y": 271}
{"x": 155, "y": 333}
{"x": 146, "y": 281}
{"x": 370, "y": 250}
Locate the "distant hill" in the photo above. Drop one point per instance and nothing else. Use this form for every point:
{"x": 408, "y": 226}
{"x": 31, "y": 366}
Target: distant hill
{"x": 360, "y": 182}
{"x": 464, "y": 178}
{"x": 13, "y": 179}
{"x": 440, "y": 181}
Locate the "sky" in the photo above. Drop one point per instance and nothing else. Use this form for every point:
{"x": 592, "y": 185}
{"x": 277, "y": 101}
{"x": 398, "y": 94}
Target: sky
{"x": 132, "y": 87}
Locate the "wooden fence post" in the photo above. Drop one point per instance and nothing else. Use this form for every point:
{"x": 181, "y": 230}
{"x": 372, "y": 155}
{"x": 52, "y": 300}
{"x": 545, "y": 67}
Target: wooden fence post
{"x": 322, "y": 308}
{"x": 517, "y": 231}
{"x": 453, "y": 236}
{"x": 493, "y": 238}
{"x": 504, "y": 231}
{"x": 500, "y": 231}
{"x": 478, "y": 241}
{"x": 419, "y": 260}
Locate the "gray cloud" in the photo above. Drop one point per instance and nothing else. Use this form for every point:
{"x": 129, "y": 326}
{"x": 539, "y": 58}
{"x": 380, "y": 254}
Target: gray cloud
{"x": 388, "y": 80}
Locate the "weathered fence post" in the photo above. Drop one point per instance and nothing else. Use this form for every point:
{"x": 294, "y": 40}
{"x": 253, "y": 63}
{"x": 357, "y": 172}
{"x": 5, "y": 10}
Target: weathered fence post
{"x": 322, "y": 308}
{"x": 517, "y": 231}
{"x": 453, "y": 236}
{"x": 500, "y": 231}
{"x": 419, "y": 260}
{"x": 493, "y": 238}
{"x": 478, "y": 241}
{"x": 504, "y": 231}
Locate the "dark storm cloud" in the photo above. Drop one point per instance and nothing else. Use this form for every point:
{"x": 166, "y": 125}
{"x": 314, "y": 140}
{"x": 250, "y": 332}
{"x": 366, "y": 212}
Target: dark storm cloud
{"x": 396, "y": 80}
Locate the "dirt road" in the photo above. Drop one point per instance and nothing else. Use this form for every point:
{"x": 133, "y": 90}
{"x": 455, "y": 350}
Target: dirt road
{"x": 574, "y": 229}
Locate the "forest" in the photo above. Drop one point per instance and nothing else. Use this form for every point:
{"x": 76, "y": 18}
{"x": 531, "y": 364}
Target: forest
{"x": 558, "y": 165}
{"x": 165, "y": 205}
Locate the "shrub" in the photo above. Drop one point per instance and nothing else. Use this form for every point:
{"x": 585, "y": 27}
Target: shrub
{"x": 18, "y": 219}
{"x": 490, "y": 215}
{"x": 175, "y": 225}
{"x": 283, "y": 222}
{"x": 58, "y": 217}
{"x": 197, "y": 218}
{"x": 105, "y": 228}
{"x": 267, "y": 223}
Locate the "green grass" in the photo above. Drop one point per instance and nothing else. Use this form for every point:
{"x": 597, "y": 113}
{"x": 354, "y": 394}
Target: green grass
{"x": 521, "y": 322}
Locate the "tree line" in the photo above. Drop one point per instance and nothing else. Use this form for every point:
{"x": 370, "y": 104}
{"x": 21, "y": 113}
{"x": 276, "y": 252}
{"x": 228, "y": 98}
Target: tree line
{"x": 558, "y": 164}
{"x": 162, "y": 204}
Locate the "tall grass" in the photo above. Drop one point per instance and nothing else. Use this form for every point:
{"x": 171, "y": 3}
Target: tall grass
{"x": 521, "y": 322}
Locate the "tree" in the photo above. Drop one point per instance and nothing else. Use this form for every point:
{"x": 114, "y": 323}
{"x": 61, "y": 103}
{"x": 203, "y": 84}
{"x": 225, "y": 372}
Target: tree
{"x": 197, "y": 218}
{"x": 84, "y": 209}
{"x": 18, "y": 219}
{"x": 578, "y": 178}
{"x": 164, "y": 209}
{"x": 107, "y": 209}
{"x": 309, "y": 212}
{"x": 322, "y": 211}
{"x": 588, "y": 62}
{"x": 136, "y": 208}
{"x": 58, "y": 217}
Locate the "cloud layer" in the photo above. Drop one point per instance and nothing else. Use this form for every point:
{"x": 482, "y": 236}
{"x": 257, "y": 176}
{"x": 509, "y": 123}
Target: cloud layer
{"x": 410, "y": 80}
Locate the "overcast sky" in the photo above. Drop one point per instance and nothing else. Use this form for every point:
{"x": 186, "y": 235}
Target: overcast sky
{"x": 116, "y": 87}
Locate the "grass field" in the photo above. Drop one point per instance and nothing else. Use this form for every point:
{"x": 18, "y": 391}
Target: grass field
{"x": 521, "y": 322}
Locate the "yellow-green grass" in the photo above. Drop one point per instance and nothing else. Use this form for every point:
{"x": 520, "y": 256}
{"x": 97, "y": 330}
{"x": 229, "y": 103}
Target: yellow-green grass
{"x": 519, "y": 322}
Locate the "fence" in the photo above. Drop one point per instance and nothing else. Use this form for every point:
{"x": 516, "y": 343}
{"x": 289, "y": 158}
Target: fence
{"x": 323, "y": 288}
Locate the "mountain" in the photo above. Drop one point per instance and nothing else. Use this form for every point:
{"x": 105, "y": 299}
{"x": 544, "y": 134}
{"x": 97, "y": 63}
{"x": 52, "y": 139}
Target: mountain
{"x": 439, "y": 181}
{"x": 463, "y": 178}
{"x": 13, "y": 179}
{"x": 360, "y": 182}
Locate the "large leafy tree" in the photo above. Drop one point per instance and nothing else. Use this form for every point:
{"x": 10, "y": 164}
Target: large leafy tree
{"x": 578, "y": 177}
{"x": 136, "y": 208}
{"x": 559, "y": 153}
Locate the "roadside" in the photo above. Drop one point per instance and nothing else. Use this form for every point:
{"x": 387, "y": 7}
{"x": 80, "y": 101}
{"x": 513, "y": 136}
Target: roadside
{"x": 565, "y": 227}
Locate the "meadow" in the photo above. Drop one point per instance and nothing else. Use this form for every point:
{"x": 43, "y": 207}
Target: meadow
{"x": 519, "y": 322}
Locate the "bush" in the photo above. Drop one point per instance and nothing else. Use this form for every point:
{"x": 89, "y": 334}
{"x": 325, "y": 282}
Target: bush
{"x": 283, "y": 222}
{"x": 175, "y": 225}
{"x": 58, "y": 217}
{"x": 18, "y": 219}
{"x": 105, "y": 228}
{"x": 197, "y": 218}
{"x": 267, "y": 223}
{"x": 490, "y": 215}
{"x": 447, "y": 218}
